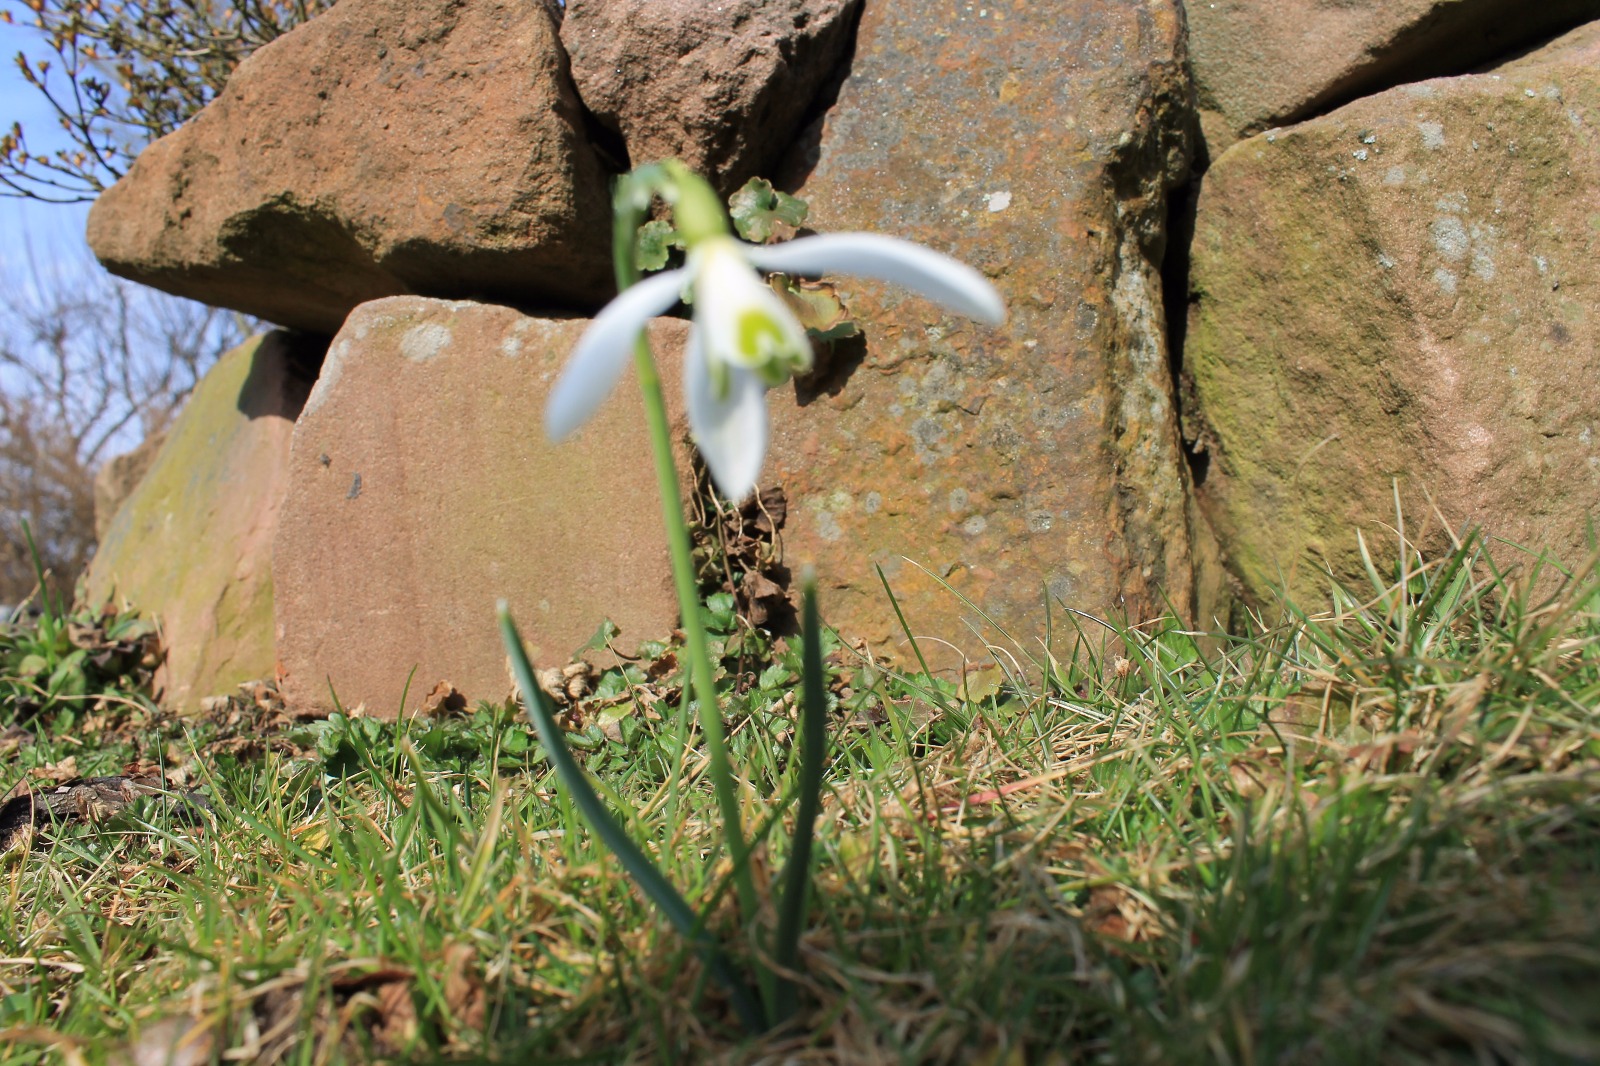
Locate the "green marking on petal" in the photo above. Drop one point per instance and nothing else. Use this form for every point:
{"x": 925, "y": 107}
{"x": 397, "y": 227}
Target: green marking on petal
{"x": 721, "y": 379}
{"x": 760, "y": 339}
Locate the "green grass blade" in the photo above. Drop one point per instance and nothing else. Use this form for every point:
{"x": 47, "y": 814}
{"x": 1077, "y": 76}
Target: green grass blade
{"x": 52, "y": 610}
{"x": 638, "y": 865}
{"x": 796, "y": 878}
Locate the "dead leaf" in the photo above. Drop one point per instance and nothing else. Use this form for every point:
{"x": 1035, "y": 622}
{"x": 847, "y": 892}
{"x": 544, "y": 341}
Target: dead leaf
{"x": 766, "y": 511}
{"x": 665, "y": 666}
{"x": 141, "y": 768}
{"x": 13, "y": 738}
{"x": 463, "y": 987}
{"x": 89, "y": 637}
{"x": 443, "y": 701}
{"x": 762, "y": 596}
{"x": 576, "y": 680}
{"x": 174, "y": 1041}
{"x": 65, "y": 770}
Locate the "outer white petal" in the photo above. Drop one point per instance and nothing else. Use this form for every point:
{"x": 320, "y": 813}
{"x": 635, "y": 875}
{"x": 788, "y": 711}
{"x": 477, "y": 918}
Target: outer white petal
{"x": 872, "y": 255}
{"x": 731, "y": 433}
{"x": 601, "y": 354}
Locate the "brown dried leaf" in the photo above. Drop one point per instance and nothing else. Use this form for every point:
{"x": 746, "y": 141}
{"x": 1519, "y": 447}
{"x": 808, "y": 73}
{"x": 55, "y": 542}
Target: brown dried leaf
{"x": 577, "y": 680}
{"x": 765, "y": 512}
{"x": 65, "y": 770}
{"x": 665, "y": 666}
{"x": 463, "y": 987}
{"x": 396, "y": 1024}
{"x": 174, "y": 1041}
{"x": 89, "y": 637}
{"x": 444, "y": 701}
{"x": 13, "y": 738}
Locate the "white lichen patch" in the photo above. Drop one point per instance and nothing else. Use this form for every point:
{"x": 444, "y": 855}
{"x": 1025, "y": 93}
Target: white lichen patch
{"x": 514, "y": 342}
{"x": 1432, "y": 135}
{"x": 1482, "y": 265}
{"x": 997, "y": 201}
{"x": 827, "y": 510}
{"x": 1445, "y": 280}
{"x": 1449, "y": 235}
{"x": 425, "y": 341}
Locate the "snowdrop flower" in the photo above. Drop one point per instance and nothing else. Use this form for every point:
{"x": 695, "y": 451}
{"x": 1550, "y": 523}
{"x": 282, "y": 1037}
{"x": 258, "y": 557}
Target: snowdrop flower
{"x": 744, "y": 340}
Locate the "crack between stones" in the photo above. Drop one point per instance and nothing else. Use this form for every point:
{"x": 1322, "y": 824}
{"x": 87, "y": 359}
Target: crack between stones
{"x": 1423, "y": 52}
{"x": 1152, "y": 186}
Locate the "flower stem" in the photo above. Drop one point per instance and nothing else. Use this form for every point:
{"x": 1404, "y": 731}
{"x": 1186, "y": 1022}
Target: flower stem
{"x": 632, "y": 201}
{"x": 701, "y": 673}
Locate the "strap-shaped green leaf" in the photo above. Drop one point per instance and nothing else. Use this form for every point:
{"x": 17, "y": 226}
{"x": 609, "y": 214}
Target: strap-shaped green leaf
{"x": 796, "y": 878}
{"x": 638, "y": 865}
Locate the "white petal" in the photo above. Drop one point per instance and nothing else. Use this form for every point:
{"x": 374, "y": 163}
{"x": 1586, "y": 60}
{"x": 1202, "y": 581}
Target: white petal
{"x": 731, "y": 433}
{"x": 601, "y": 354}
{"x": 872, "y": 255}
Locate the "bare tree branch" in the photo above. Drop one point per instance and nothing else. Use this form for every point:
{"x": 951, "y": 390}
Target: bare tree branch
{"x": 89, "y": 365}
{"x": 125, "y": 73}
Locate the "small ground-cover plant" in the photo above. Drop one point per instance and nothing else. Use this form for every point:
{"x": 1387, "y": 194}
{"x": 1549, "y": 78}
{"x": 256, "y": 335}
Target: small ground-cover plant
{"x": 59, "y": 660}
{"x": 1365, "y": 833}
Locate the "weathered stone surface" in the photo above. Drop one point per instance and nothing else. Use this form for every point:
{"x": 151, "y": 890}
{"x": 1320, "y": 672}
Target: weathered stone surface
{"x": 191, "y": 546}
{"x": 116, "y": 480}
{"x": 1262, "y": 63}
{"x": 723, "y": 87}
{"x": 422, "y": 490}
{"x": 1406, "y": 288}
{"x": 384, "y": 147}
{"x": 1040, "y": 458}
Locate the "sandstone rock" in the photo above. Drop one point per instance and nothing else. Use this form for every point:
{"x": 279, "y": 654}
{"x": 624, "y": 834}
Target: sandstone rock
{"x": 1262, "y": 63}
{"x": 723, "y": 87}
{"x": 384, "y": 147}
{"x": 1041, "y": 458}
{"x": 422, "y": 490}
{"x": 191, "y": 546}
{"x": 1406, "y": 288}
{"x": 116, "y": 480}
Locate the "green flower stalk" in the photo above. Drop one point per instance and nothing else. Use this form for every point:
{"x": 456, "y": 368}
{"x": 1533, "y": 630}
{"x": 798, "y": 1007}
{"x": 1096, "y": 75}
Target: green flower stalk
{"x": 744, "y": 340}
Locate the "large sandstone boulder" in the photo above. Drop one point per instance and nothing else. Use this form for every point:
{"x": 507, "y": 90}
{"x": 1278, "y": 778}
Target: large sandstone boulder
{"x": 384, "y": 147}
{"x": 724, "y": 87}
{"x": 1040, "y": 459}
{"x": 1262, "y": 63}
{"x": 422, "y": 490}
{"x": 191, "y": 546}
{"x": 115, "y": 481}
{"x": 1407, "y": 288}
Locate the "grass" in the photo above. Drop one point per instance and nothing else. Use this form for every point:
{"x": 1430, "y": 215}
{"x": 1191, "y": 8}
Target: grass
{"x": 1365, "y": 833}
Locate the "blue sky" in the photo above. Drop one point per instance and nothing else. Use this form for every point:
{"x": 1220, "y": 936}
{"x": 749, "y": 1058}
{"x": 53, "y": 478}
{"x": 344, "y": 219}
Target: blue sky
{"x": 54, "y": 231}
